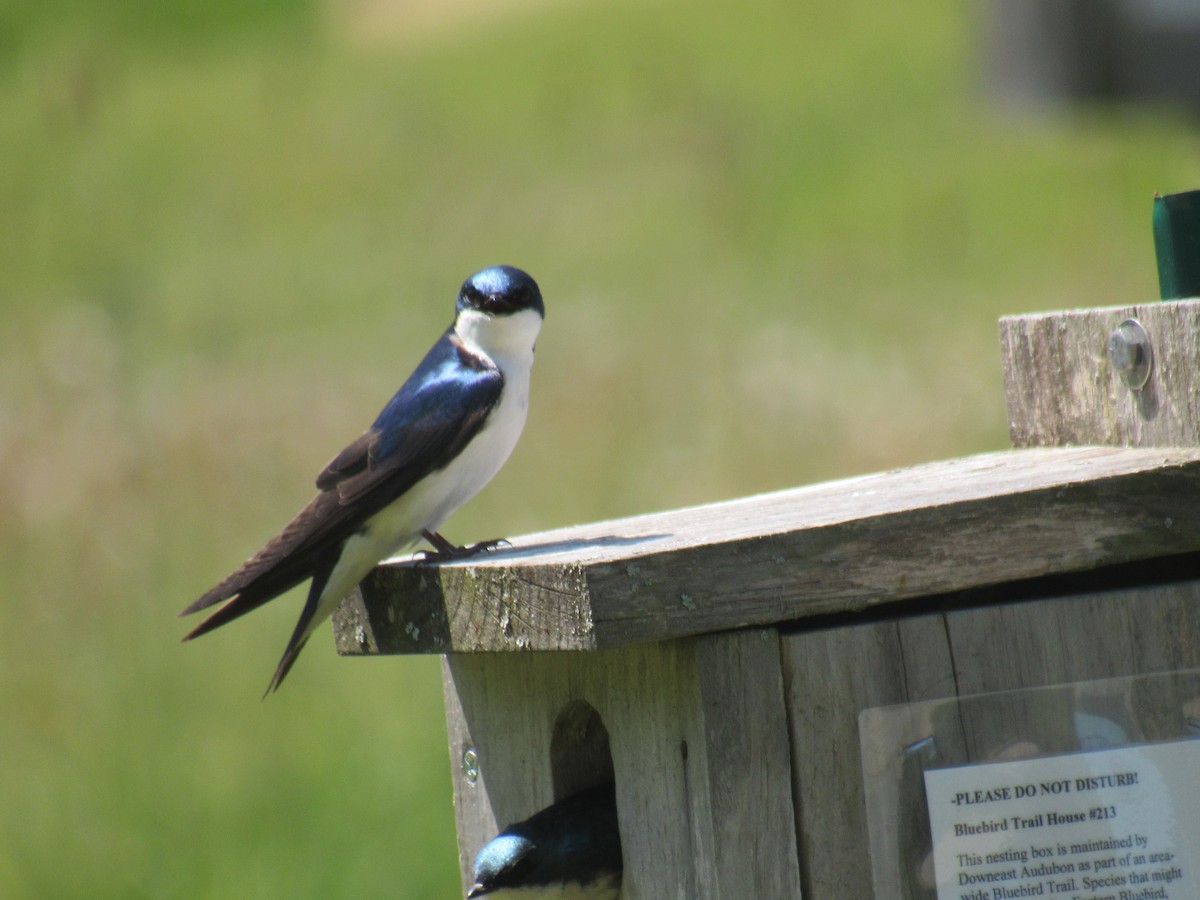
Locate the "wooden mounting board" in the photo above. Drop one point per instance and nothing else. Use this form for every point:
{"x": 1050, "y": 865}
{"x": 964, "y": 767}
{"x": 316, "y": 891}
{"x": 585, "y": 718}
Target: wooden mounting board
{"x": 1061, "y": 388}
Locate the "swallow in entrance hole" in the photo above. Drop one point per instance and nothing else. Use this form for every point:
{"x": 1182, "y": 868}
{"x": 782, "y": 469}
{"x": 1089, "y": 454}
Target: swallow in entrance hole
{"x": 568, "y": 851}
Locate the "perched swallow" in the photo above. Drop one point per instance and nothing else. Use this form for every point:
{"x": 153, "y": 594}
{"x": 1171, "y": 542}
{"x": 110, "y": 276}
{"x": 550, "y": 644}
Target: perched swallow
{"x": 440, "y": 439}
{"x": 568, "y": 851}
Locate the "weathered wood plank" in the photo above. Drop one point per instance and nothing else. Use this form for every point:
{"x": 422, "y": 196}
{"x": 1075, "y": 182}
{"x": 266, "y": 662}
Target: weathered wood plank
{"x": 1062, "y": 390}
{"x": 698, "y": 735}
{"x": 832, "y": 674}
{"x": 840, "y": 680}
{"x": 832, "y": 547}
{"x": 749, "y": 778}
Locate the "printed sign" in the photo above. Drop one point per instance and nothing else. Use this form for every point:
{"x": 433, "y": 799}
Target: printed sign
{"x": 1119, "y": 824}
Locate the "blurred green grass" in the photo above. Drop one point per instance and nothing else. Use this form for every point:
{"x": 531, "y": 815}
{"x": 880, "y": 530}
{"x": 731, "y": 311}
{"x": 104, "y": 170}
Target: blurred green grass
{"x": 773, "y": 241}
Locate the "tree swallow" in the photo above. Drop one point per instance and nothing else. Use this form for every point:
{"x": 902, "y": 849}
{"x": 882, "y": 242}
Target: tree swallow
{"x": 440, "y": 439}
{"x": 568, "y": 851}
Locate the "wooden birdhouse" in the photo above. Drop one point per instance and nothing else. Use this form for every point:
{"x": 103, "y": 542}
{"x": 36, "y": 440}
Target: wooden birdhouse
{"x": 906, "y": 684}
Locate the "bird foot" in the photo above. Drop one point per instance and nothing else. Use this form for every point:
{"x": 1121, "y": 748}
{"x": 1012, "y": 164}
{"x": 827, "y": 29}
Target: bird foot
{"x": 445, "y": 551}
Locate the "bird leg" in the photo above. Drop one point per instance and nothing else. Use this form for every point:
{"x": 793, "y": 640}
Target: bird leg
{"x": 444, "y": 550}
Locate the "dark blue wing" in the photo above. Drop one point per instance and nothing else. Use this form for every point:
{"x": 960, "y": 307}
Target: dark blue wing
{"x": 424, "y": 426}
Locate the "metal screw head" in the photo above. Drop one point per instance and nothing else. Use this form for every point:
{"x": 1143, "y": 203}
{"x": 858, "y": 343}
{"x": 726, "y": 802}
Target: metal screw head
{"x": 471, "y": 765}
{"x": 1130, "y": 354}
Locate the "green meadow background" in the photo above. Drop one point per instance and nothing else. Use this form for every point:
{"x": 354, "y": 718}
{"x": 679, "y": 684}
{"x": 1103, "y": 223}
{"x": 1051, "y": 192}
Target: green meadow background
{"x": 773, "y": 239}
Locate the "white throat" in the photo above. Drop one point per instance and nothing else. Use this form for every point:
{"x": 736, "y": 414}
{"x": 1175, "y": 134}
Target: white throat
{"x": 506, "y": 340}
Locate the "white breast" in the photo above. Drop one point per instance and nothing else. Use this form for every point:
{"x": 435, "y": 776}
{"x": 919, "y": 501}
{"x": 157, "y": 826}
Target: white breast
{"x": 608, "y": 888}
{"x": 508, "y": 343}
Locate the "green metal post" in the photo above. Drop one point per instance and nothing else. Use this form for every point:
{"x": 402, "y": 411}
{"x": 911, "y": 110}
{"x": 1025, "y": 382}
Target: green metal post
{"x": 1177, "y": 244}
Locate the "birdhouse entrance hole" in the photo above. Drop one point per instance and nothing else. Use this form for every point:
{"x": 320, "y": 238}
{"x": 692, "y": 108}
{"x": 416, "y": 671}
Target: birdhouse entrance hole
{"x": 580, "y": 756}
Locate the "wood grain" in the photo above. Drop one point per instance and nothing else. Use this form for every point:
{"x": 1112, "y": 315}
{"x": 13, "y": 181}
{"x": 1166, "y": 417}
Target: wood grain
{"x": 833, "y": 547}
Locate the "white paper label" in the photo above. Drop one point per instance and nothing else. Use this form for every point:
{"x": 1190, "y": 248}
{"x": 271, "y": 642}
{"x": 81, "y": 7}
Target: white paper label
{"x": 1121, "y": 824}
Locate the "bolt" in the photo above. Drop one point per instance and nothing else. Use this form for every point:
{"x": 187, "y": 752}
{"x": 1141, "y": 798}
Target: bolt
{"x": 471, "y": 765}
{"x": 1130, "y": 353}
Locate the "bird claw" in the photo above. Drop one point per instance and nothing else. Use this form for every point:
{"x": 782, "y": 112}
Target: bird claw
{"x": 445, "y": 551}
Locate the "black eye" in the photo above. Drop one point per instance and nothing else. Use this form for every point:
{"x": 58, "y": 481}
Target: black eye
{"x": 502, "y": 303}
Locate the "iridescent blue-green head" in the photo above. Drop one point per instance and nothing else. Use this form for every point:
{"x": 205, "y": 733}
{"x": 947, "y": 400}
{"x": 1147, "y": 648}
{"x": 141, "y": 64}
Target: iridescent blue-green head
{"x": 500, "y": 291}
